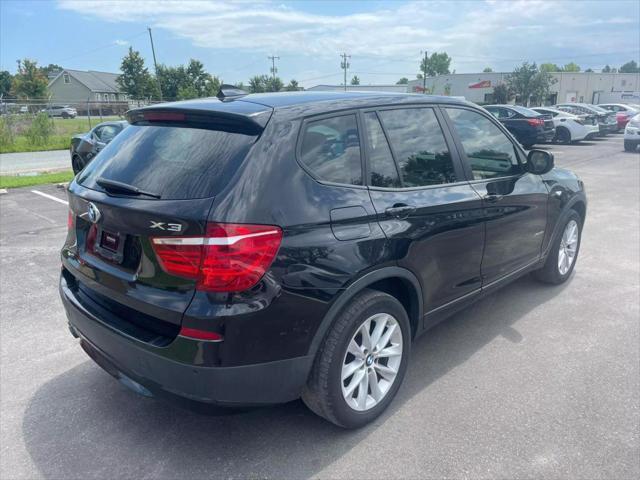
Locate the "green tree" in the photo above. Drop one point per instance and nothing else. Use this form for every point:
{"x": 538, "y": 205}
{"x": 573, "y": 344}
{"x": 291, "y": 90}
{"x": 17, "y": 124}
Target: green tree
{"x": 136, "y": 81}
{"x": 571, "y": 67}
{"x": 258, "y": 84}
{"x": 436, "y": 64}
{"x": 487, "y": 70}
{"x": 5, "y": 83}
{"x": 549, "y": 67}
{"x": 530, "y": 83}
{"x": 629, "y": 67}
{"x": 355, "y": 80}
{"x": 501, "y": 94}
{"x": 274, "y": 84}
{"x": 240, "y": 85}
{"x": 204, "y": 83}
{"x": 172, "y": 80}
{"x": 606, "y": 69}
{"x": 293, "y": 86}
{"x": 402, "y": 81}
{"x": 29, "y": 82}
{"x": 51, "y": 68}
{"x": 589, "y": 70}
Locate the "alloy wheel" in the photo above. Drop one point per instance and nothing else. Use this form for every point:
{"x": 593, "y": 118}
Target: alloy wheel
{"x": 372, "y": 361}
{"x": 568, "y": 247}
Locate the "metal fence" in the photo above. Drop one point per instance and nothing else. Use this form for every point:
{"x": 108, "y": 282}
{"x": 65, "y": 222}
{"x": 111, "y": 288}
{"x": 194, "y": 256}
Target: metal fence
{"x": 91, "y": 108}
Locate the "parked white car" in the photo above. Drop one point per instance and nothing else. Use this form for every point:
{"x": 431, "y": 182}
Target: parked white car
{"x": 632, "y": 134}
{"x": 569, "y": 127}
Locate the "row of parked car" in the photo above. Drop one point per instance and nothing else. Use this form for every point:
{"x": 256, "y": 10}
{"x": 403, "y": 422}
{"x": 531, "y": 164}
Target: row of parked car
{"x": 563, "y": 123}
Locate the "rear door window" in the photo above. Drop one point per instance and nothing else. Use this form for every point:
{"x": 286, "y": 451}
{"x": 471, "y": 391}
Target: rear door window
{"x": 173, "y": 162}
{"x": 330, "y": 150}
{"x": 382, "y": 168}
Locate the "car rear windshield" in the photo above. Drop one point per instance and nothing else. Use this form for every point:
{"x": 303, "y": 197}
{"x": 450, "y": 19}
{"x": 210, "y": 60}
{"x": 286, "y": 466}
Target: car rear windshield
{"x": 527, "y": 112}
{"x": 173, "y": 162}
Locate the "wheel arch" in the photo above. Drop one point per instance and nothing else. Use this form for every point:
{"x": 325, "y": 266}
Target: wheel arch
{"x": 396, "y": 281}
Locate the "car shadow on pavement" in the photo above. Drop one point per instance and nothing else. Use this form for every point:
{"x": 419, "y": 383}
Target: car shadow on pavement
{"x": 83, "y": 424}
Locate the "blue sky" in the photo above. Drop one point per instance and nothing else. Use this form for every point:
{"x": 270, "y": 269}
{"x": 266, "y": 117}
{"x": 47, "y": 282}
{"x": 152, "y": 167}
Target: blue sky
{"x": 384, "y": 38}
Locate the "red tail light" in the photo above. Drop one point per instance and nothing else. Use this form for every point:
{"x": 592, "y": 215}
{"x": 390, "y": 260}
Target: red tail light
{"x": 70, "y": 220}
{"x": 201, "y": 334}
{"x": 229, "y": 258}
{"x": 536, "y": 122}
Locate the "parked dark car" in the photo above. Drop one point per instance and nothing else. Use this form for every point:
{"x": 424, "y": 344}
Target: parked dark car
{"x": 275, "y": 246}
{"x": 529, "y": 127}
{"x": 606, "y": 120}
{"x": 85, "y": 146}
{"x": 64, "y": 111}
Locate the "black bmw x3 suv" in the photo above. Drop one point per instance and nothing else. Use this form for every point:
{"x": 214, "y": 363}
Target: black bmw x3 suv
{"x": 260, "y": 248}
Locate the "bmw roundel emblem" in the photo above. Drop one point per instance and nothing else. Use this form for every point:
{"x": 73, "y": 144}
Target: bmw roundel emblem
{"x": 93, "y": 213}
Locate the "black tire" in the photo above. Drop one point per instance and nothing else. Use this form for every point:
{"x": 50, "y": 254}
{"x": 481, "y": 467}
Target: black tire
{"x": 77, "y": 164}
{"x": 65, "y": 115}
{"x": 630, "y": 145}
{"x": 323, "y": 392}
{"x": 550, "y": 272}
{"x": 563, "y": 135}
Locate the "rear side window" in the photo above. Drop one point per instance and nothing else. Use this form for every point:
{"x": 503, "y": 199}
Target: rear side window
{"x": 418, "y": 146}
{"x": 173, "y": 162}
{"x": 330, "y": 149}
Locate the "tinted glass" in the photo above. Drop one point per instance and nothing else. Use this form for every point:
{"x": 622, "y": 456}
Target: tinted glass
{"x": 174, "y": 162}
{"x": 419, "y": 146}
{"x": 331, "y": 150}
{"x": 526, "y": 112}
{"x": 381, "y": 165}
{"x": 108, "y": 132}
{"x": 489, "y": 151}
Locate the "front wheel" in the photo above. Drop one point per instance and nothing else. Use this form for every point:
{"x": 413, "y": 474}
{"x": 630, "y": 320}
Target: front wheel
{"x": 361, "y": 362}
{"x": 564, "y": 252}
{"x": 563, "y": 136}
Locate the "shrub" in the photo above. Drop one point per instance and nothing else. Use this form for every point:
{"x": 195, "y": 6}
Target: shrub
{"x": 40, "y": 130}
{"x": 6, "y": 131}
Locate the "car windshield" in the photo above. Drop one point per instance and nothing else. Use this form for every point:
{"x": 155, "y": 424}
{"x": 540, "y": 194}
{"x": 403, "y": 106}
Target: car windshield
{"x": 597, "y": 109}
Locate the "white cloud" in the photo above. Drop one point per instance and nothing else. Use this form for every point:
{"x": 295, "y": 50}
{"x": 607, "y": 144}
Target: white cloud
{"x": 474, "y": 33}
{"x": 121, "y": 43}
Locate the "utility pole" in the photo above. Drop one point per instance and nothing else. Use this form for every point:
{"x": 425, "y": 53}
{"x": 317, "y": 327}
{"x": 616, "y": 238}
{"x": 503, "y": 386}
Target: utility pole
{"x": 155, "y": 64}
{"x": 424, "y": 73}
{"x": 345, "y": 65}
{"x": 274, "y": 70}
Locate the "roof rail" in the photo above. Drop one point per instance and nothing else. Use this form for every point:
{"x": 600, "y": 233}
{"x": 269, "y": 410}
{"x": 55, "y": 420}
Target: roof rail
{"x": 230, "y": 92}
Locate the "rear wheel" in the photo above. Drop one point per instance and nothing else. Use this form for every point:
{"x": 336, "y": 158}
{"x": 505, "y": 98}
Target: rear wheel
{"x": 361, "y": 362}
{"x": 630, "y": 145}
{"x": 564, "y": 252}
{"x": 563, "y": 135}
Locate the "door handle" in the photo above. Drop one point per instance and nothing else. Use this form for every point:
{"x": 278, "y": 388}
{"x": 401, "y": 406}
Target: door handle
{"x": 492, "y": 198}
{"x": 400, "y": 211}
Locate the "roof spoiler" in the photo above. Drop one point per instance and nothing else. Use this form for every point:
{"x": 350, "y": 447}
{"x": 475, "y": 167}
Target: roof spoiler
{"x": 227, "y": 121}
{"x": 228, "y": 93}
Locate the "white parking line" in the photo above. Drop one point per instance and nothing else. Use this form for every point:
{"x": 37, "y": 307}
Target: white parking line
{"x": 50, "y": 197}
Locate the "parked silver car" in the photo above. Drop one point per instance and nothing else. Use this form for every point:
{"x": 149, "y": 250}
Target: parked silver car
{"x": 64, "y": 111}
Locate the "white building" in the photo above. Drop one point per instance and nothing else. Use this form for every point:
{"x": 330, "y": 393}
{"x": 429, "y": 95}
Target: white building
{"x": 589, "y": 87}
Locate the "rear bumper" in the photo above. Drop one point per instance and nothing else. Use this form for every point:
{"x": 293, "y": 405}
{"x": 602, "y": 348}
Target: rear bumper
{"x": 129, "y": 359}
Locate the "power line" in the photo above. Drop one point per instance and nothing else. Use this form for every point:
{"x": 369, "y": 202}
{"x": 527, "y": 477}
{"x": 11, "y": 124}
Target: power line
{"x": 110, "y": 45}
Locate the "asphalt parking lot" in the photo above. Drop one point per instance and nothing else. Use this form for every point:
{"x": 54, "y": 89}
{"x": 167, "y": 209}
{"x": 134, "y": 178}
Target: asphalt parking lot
{"x": 532, "y": 382}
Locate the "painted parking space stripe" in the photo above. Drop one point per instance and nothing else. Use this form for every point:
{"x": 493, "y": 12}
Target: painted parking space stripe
{"x": 50, "y": 197}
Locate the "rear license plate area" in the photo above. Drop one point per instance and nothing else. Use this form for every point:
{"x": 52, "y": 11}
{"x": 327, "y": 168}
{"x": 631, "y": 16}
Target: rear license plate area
{"x": 110, "y": 245}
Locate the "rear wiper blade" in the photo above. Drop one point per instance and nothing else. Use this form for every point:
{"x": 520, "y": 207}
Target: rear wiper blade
{"x": 114, "y": 185}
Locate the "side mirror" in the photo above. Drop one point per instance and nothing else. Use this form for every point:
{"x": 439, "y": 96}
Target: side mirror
{"x": 539, "y": 162}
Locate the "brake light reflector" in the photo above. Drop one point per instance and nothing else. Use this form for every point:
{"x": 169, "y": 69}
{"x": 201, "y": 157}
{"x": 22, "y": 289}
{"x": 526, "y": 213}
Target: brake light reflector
{"x": 163, "y": 116}
{"x": 200, "y": 334}
{"x": 229, "y": 258}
